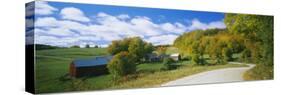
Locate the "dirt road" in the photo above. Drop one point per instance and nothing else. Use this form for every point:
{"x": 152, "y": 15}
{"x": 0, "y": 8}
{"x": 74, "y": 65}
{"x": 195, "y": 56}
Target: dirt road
{"x": 214, "y": 76}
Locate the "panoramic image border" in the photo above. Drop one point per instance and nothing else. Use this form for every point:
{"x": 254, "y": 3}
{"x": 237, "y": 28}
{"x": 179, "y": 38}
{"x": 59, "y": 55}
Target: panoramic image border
{"x": 89, "y": 47}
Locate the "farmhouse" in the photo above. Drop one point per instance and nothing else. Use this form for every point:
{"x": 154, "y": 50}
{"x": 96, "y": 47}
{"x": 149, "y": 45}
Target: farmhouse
{"x": 87, "y": 67}
{"x": 154, "y": 57}
{"x": 175, "y": 56}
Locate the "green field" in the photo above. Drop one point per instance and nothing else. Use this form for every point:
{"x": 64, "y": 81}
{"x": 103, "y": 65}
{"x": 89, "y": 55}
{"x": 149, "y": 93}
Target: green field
{"x": 52, "y": 65}
{"x": 52, "y": 69}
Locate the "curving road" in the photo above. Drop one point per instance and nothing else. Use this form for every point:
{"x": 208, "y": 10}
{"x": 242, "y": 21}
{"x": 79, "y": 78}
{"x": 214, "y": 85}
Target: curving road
{"x": 215, "y": 76}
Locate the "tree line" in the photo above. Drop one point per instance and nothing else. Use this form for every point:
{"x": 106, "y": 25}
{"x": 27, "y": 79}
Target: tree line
{"x": 218, "y": 44}
{"x": 251, "y": 36}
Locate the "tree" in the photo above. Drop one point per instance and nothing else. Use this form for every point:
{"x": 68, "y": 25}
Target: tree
{"x": 75, "y": 46}
{"x": 43, "y": 47}
{"x": 246, "y": 55}
{"x": 227, "y": 54}
{"x": 121, "y": 65}
{"x": 195, "y": 59}
{"x": 161, "y": 50}
{"x": 167, "y": 64}
{"x": 87, "y": 46}
{"x": 217, "y": 50}
{"x": 135, "y": 46}
{"x": 96, "y": 46}
{"x": 148, "y": 48}
{"x": 257, "y": 28}
{"x": 118, "y": 46}
{"x": 198, "y": 53}
{"x": 196, "y": 43}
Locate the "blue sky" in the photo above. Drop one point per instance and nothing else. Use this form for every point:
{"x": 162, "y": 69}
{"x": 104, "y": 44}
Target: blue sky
{"x": 67, "y": 24}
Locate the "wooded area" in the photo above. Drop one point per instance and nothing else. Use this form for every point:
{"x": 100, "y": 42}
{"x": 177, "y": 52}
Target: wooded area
{"x": 248, "y": 35}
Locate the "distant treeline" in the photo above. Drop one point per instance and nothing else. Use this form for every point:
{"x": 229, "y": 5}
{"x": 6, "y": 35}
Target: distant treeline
{"x": 43, "y": 47}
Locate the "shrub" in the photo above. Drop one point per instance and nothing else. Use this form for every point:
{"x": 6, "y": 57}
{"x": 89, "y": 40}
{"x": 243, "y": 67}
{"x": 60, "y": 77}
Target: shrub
{"x": 195, "y": 59}
{"x": 186, "y": 57}
{"x": 227, "y": 54}
{"x": 75, "y": 46}
{"x": 78, "y": 85}
{"x": 259, "y": 72}
{"x": 246, "y": 56}
{"x": 87, "y": 46}
{"x": 121, "y": 65}
{"x": 167, "y": 64}
{"x": 218, "y": 59}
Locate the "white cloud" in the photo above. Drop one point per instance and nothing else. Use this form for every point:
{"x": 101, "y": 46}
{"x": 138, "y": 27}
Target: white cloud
{"x": 68, "y": 32}
{"x": 43, "y": 8}
{"x": 123, "y": 16}
{"x": 29, "y": 9}
{"x": 196, "y": 24}
{"x": 176, "y": 28}
{"x": 49, "y": 40}
{"x": 59, "y": 32}
{"x": 88, "y": 38}
{"x": 56, "y": 41}
{"x": 46, "y": 22}
{"x": 146, "y": 27}
{"x": 75, "y": 14}
{"x": 217, "y": 24}
{"x": 51, "y": 22}
{"x": 162, "y": 39}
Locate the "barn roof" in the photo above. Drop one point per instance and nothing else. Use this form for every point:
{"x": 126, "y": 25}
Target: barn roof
{"x": 101, "y": 60}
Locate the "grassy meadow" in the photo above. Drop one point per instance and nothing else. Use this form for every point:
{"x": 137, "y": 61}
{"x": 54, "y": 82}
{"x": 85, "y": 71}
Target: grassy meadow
{"x": 52, "y": 65}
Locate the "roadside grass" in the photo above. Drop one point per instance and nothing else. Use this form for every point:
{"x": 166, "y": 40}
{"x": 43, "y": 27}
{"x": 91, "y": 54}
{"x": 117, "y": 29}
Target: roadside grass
{"x": 149, "y": 67}
{"x": 157, "y": 78}
{"x": 259, "y": 72}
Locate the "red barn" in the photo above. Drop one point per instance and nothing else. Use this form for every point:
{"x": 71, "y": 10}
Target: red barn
{"x": 89, "y": 67}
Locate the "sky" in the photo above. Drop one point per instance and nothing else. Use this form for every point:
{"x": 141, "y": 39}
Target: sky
{"x": 68, "y": 24}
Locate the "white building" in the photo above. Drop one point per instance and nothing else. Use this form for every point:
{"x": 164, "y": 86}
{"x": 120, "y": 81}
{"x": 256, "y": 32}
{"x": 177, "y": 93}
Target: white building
{"x": 175, "y": 56}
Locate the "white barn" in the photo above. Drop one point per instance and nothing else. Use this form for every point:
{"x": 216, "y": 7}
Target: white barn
{"x": 175, "y": 56}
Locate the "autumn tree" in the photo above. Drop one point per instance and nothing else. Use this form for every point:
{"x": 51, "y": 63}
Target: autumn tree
{"x": 161, "y": 50}
{"x": 257, "y": 29}
{"x": 121, "y": 65}
{"x": 135, "y": 46}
